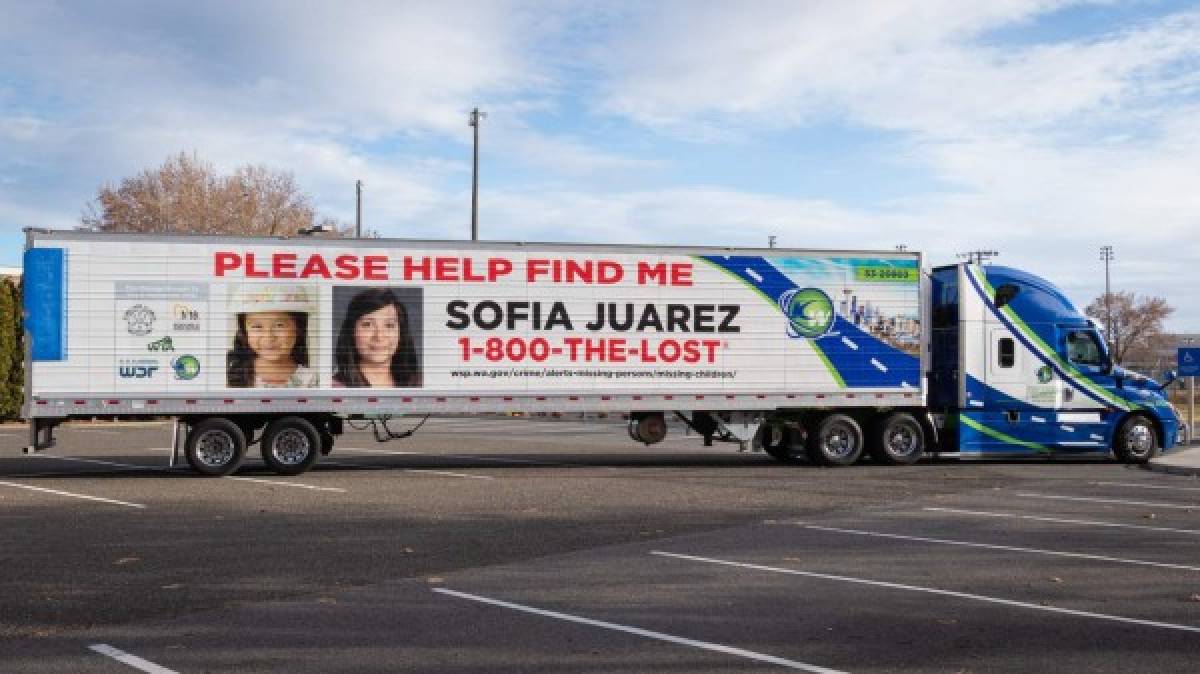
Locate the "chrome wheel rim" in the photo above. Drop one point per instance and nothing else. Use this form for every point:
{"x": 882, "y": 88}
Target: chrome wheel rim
{"x": 838, "y": 442}
{"x": 214, "y": 448}
{"x": 1140, "y": 439}
{"x": 901, "y": 440}
{"x": 291, "y": 447}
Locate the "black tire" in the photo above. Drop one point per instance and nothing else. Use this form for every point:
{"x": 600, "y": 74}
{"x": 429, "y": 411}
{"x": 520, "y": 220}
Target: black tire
{"x": 779, "y": 442}
{"x": 290, "y": 445}
{"x": 215, "y": 447}
{"x": 899, "y": 440}
{"x": 1136, "y": 440}
{"x": 836, "y": 441}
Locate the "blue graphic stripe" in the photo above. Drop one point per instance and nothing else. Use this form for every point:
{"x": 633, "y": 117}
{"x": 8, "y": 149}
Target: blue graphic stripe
{"x": 861, "y": 360}
{"x": 44, "y": 299}
{"x": 1029, "y": 345}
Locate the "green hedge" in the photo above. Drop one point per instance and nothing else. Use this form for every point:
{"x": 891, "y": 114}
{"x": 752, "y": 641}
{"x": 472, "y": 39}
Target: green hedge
{"x": 12, "y": 355}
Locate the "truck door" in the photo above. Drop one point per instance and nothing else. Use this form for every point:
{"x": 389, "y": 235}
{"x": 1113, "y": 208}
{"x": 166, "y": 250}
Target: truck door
{"x": 1078, "y": 423}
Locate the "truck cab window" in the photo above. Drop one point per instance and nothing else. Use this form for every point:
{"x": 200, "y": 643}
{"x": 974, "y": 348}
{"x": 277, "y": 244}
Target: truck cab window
{"x": 1083, "y": 349}
{"x": 1005, "y": 294}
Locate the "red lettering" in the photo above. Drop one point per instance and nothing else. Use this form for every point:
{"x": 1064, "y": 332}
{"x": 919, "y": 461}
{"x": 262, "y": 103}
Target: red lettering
{"x": 411, "y": 269}
{"x": 315, "y": 267}
{"x": 467, "y": 275}
{"x": 347, "y": 267}
{"x": 498, "y": 267}
{"x": 283, "y": 265}
{"x": 681, "y": 274}
{"x": 648, "y": 273}
{"x": 445, "y": 269}
{"x": 251, "y": 272}
{"x": 375, "y": 267}
{"x": 535, "y": 268}
{"x": 224, "y": 262}
{"x": 609, "y": 272}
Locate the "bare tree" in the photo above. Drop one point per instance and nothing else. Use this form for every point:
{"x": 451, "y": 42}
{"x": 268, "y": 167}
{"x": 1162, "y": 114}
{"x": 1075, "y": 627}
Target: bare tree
{"x": 1137, "y": 322}
{"x": 186, "y": 194}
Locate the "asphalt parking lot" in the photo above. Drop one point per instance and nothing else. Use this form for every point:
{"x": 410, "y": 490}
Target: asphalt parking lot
{"x": 516, "y": 545}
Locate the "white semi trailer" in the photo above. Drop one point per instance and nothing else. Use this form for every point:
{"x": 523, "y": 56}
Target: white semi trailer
{"x": 277, "y": 341}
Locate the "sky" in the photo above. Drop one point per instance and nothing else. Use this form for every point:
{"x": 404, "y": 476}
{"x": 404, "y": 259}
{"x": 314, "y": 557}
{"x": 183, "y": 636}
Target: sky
{"x": 1041, "y": 129}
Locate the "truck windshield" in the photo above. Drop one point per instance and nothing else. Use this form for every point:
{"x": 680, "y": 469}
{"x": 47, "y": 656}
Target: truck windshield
{"x": 1083, "y": 349}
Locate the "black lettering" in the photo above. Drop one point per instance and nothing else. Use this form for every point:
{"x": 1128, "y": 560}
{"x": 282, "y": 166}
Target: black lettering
{"x": 612, "y": 317}
{"x": 599, "y": 322}
{"x": 677, "y": 317}
{"x": 704, "y": 318}
{"x": 731, "y": 312}
{"x": 517, "y": 311}
{"x": 458, "y": 315}
{"x": 650, "y": 318}
{"x": 559, "y": 316}
{"x": 489, "y": 323}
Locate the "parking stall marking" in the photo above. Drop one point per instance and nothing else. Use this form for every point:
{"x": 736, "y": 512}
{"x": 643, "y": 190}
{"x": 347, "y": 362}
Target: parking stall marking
{"x": 1146, "y": 486}
{"x": 932, "y": 590}
{"x": 130, "y": 659}
{"x": 72, "y": 495}
{"x": 1063, "y": 520}
{"x": 494, "y": 459}
{"x": 704, "y": 645}
{"x": 1008, "y": 548}
{"x": 1092, "y": 499}
{"x": 171, "y": 470}
{"x": 448, "y": 473}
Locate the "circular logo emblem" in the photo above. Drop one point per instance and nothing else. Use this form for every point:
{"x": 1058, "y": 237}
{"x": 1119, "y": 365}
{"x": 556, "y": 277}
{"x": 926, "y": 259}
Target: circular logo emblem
{"x": 139, "y": 319}
{"x": 1045, "y": 374}
{"x": 186, "y": 366}
{"x": 809, "y": 312}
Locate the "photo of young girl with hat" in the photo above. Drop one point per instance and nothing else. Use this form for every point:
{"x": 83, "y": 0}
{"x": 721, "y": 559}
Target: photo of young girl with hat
{"x": 270, "y": 343}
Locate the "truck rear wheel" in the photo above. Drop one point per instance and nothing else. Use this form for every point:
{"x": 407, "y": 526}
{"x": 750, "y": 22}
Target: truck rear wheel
{"x": 215, "y": 447}
{"x": 899, "y": 440}
{"x": 836, "y": 441}
{"x": 1136, "y": 440}
{"x": 290, "y": 445}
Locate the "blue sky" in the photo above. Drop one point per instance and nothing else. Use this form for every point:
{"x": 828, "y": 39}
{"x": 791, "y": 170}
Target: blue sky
{"x": 1039, "y": 128}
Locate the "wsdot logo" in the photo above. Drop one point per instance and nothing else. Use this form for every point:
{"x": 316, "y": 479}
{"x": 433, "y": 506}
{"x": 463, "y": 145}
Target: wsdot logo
{"x": 809, "y": 312}
{"x": 186, "y": 367}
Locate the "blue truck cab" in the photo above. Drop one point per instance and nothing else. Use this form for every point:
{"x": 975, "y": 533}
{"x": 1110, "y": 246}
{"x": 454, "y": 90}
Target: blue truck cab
{"x": 1017, "y": 370}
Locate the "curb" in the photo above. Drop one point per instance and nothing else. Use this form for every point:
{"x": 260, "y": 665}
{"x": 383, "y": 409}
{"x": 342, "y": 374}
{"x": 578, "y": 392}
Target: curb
{"x": 1173, "y": 469}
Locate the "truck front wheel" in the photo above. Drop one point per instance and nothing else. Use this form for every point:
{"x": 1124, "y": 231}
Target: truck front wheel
{"x": 836, "y": 441}
{"x": 1136, "y": 440}
{"x": 215, "y": 447}
{"x": 290, "y": 445}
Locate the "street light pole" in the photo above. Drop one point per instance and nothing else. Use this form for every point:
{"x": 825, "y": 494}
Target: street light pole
{"x": 358, "y": 209}
{"x": 1106, "y": 254}
{"x": 473, "y": 122}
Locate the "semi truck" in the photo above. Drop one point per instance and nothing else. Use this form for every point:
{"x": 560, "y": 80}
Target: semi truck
{"x": 825, "y": 356}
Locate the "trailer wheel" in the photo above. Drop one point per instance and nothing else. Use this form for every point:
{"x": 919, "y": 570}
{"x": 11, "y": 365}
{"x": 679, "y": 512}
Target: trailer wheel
{"x": 215, "y": 447}
{"x": 1136, "y": 440}
{"x": 290, "y": 445}
{"x": 836, "y": 441}
{"x": 899, "y": 440}
{"x": 779, "y": 441}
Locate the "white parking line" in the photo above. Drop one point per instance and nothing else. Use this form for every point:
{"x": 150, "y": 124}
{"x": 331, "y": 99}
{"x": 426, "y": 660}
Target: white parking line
{"x": 103, "y": 463}
{"x": 705, "y": 645}
{"x": 933, "y": 590}
{"x": 448, "y": 473}
{"x": 495, "y": 459}
{"x": 285, "y": 484}
{"x": 1089, "y": 499}
{"x": 1062, "y": 520}
{"x": 72, "y": 495}
{"x": 1009, "y": 548}
{"x": 131, "y": 660}
{"x": 1145, "y": 486}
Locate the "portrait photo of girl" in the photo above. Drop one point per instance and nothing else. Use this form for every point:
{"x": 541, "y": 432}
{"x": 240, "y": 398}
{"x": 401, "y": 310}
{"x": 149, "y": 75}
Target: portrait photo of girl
{"x": 270, "y": 342}
{"x": 375, "y": 345}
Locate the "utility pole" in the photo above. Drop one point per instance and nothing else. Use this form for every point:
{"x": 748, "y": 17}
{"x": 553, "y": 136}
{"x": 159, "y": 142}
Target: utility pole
{"x": 1106, "y": 254}
{"x": 473, "y": 122}
{"x": 978, "y": 256}
{"x": 358, "y": 209}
